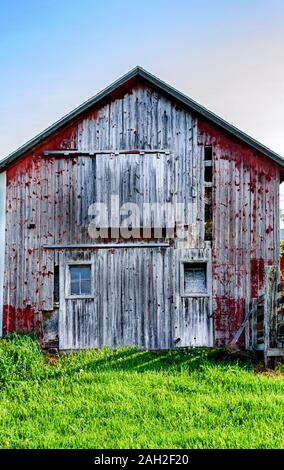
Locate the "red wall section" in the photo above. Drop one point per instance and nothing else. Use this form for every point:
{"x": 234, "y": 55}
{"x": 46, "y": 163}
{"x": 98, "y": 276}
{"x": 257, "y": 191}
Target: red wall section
{"x": 245, "y": 226}
{"x": 66, "y": 139}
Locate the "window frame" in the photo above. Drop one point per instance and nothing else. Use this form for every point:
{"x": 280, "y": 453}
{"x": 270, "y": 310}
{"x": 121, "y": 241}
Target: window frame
{"x": 207, "y": 265}
{"x": 68, "y": 294}
{"x": 56, "y": 285}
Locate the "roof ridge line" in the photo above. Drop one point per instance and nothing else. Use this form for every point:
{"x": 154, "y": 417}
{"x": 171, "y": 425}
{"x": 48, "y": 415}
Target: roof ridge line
{"x": 160, "y": 84}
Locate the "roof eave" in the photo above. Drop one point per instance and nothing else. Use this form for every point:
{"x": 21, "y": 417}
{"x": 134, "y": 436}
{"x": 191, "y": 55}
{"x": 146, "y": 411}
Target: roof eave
{"x": 174, "y": 93}
{"x": 32, "y": 143}
{"x": 188, "y": 102}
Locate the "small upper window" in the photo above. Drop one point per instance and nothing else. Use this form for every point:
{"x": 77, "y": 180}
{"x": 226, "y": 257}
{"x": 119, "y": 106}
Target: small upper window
{"x": 56, "y": 296}
{"x": 195, "y": 280}
{"x": 208, "y": 174}
{"x": 80, "y": 280}
{"x": 208, "y": 152}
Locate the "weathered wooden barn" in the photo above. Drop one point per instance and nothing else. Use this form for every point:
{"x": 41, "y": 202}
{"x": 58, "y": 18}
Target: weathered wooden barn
{"x": 140, "y": 141}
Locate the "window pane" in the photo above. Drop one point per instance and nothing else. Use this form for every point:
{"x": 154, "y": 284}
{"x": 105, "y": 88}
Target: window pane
{"x": 85, "y": 272}
{"x": 75, "y": 288}
{"x": 74, "y": 272}
{"x": 86, "y": 287}
{"x": 80, "y": 277}
{"x": 195, "y": 278}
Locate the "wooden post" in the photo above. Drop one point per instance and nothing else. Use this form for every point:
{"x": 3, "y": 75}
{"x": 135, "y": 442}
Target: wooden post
{"x": 270, "y": 311}
{"x": 253, "y": 323}
{"x": 274, "y": 311}
{"x": 266, "y": 317}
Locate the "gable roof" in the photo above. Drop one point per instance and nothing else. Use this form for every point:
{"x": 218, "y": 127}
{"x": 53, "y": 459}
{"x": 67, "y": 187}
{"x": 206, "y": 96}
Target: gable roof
{"x": 169, "y": 90}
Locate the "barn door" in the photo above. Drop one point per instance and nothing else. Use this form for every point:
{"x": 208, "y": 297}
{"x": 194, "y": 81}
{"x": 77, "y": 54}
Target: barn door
{"x": 78, "y": 318}
{"x": 115, "y": 298}
{"x": 193, "y": 298}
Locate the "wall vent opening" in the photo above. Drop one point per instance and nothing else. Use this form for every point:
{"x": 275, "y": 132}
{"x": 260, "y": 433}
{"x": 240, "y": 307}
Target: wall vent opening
{"x": 195, "y": 278}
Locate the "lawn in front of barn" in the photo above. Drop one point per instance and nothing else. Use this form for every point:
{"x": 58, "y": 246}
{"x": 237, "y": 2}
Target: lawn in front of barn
{"x": 136, "y": 399}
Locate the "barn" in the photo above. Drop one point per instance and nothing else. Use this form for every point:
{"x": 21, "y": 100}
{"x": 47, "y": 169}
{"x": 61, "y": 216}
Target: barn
{"x": 141, "y": 218}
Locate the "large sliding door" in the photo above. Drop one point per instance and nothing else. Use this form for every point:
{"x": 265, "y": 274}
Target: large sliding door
{"x": 116, "y": 297}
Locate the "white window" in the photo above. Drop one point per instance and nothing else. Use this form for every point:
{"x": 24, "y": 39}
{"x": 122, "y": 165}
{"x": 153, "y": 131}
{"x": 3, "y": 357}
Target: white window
{"x": 79, "y": 280}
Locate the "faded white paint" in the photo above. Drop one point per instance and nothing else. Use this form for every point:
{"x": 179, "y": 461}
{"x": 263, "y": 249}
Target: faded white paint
{"x": 2, "y": 241}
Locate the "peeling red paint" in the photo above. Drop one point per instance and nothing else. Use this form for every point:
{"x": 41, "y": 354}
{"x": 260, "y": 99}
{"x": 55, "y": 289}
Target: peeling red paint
{"x": 257, "y": 276}
{"x": 240, "y": 275}
{"x": 234, "y": 149}
{"x": 8, "y": 319}
{"x": 25, "y": 319}
{"x": 19, "y": 320}
{"x": 229, "y": 315}
{"x": 65, "y": 139}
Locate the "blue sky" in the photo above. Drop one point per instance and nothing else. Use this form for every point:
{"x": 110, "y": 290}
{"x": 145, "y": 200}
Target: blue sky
{"x": 228, "y": 55}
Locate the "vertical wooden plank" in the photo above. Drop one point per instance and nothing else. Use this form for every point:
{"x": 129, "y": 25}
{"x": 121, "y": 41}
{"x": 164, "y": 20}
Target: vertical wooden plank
{"x": 2, "y": 243}
{"x": 270, "y": 311}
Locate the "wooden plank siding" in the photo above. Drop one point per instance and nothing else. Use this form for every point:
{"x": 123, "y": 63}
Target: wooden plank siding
{"x": 245, "y": 227}
{"x": 137, "y": 291}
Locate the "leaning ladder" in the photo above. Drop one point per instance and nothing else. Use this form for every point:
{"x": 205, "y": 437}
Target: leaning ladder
{"x": 262, "y": 320}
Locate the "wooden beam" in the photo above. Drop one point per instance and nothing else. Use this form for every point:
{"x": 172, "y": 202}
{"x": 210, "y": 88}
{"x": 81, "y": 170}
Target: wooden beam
{"x": 275, "y": 352}
{"x": 232, "y": 344}
{"x": 78, "y": 153}
{"x": 98, "y": 246}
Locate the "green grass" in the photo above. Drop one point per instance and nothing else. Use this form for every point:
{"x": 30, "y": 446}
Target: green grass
{"x": 133, "y": 399}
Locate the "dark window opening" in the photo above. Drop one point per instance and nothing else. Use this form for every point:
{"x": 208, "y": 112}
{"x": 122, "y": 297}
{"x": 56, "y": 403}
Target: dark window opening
{"x": 208, "y": 214}
{"x": 208, "y": 152}
{"x": 195, "y": 278}
{"x": 80, "y": 280}
{"x": 208, "y": 179}
{"x": 208, "y": 174}
{"x": 56, "y": 297}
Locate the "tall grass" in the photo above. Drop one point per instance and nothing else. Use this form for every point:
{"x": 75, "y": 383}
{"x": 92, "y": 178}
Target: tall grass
{"x": 130, "y": 398}
{"x": 20, "y": 359}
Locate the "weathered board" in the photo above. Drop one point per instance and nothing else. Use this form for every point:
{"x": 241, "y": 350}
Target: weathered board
{"x": 2, "y": 241}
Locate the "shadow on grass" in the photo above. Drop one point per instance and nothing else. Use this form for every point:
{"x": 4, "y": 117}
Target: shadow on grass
{"x": 133, "y": 360}
{"x": 22, "y": 360}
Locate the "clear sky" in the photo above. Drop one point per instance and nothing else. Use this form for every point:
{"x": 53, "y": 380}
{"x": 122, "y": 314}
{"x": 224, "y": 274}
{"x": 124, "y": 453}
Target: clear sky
{"x": 228, "y": 55}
